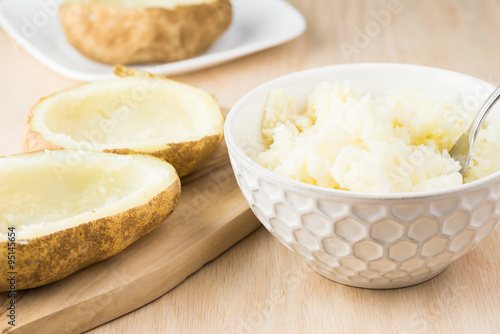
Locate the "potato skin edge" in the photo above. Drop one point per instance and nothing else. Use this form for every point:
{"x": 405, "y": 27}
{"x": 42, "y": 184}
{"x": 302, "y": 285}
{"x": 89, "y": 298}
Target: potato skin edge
{"x": 185, "y": 157}
{"x": 113, "y": 35}
{"x": 33, "y": 141}
{"x": 49, "y": 258}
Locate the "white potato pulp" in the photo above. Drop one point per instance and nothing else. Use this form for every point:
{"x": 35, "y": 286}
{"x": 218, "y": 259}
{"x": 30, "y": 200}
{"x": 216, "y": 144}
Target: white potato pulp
{"x": 138, "y": 113}
{"x": 48, "y": 191}
{"x": 143, "y": 3}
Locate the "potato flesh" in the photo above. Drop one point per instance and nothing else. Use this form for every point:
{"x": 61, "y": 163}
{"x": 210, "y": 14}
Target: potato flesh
{"x": 143, "y": 3}
{"x": 141, "y": 114}
{"x": 42, "y": 193}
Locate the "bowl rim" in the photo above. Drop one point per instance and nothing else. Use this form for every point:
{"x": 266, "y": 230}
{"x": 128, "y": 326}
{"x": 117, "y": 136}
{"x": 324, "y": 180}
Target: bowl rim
{"x": 236, "y": 150}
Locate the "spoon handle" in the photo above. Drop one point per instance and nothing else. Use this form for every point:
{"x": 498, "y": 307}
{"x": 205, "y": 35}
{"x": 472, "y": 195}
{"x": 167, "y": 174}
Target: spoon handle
{"x": 481, "y": 116}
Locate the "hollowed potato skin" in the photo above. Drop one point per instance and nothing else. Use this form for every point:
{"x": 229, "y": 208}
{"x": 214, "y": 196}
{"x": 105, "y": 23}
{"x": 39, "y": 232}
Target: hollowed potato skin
{"x": 111, "y": 35}
{"x": 52, "y": 257}
{"x": 184, "y": 156}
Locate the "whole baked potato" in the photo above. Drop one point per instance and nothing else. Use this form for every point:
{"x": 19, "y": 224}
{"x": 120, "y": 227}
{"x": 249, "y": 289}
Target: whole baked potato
{"x": 134, "y": 31}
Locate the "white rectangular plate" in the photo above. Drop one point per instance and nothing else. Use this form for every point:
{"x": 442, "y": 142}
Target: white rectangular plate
{"x": 257, "y": 25}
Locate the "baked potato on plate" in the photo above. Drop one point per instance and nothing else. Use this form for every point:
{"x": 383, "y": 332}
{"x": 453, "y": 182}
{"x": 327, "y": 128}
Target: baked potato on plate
{"x": 147, "y": 31}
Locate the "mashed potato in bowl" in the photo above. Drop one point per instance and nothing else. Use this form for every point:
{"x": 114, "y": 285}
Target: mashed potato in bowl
{"x": 397, "y": 142}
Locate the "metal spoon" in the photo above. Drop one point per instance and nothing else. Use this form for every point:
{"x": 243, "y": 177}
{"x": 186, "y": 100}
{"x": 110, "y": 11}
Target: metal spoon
{"x": 462, "y": 150}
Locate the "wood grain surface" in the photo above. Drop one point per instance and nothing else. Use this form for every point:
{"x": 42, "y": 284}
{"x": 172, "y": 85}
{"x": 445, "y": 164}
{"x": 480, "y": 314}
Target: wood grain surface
{"x": 258, "y": 286}
{"x": 212, "y": 215}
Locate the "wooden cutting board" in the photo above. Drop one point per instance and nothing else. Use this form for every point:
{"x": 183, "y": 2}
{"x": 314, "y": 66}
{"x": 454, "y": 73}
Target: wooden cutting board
{"x": 211, "y": 217}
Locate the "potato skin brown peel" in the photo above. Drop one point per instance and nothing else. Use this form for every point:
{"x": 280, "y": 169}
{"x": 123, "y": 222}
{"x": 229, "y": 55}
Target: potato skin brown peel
{"x": 186, "y": 156}
{"x": 33, "y": 141}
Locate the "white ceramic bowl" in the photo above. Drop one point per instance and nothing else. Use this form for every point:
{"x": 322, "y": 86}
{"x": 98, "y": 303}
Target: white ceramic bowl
{"x": 364, "y": 239}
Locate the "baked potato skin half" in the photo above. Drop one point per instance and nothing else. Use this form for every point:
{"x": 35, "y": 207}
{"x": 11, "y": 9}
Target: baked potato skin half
{"x": 52, "y": 257}
{"x": 111, "y": 35}
{"x": 185, "y": 156}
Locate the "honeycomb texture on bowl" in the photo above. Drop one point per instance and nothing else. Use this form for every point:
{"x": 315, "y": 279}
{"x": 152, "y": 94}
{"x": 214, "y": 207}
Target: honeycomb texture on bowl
{"x": 372, "y": 243}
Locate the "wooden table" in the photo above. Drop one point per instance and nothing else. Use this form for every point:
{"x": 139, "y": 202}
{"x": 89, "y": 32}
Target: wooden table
{"x": 258, "y": 286}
